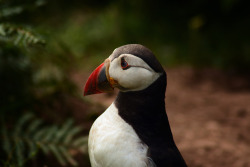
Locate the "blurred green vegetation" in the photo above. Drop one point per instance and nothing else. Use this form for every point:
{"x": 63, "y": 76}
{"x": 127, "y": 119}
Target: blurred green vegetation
{"x": 30, "y": 136}
{"x": 198, "y": 33}
{"x": 34, "y": 79}
{"x": 43, "y": 42}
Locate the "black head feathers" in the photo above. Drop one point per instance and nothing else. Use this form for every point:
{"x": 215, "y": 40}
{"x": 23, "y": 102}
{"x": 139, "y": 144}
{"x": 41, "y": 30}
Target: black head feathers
{"x": 141, "y": 52}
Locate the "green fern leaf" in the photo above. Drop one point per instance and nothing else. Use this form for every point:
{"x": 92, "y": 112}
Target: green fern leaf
{"x": 29, "y": 136}
{"x": 40, "y": 134}
{"x": 6, "y": 12}
{"x": 34, "y": 126}
{"x": 6, "y": 140}
{"x": 58, "y": 155}
{"x": 63, "y": 130}
{"x": 50, "y": 134}
{"x": 80, "y": 141}
{"x": 68, "y": 156}
{"x": 33, "y": 147}
{"x": 19, "y": 153}
{"x": 44, "y": 148}
{"x": 2, "y": 30}
{"x": 71, "y": 134}
{"x": 18, "y": 36}
{"x": 21, "y": 123}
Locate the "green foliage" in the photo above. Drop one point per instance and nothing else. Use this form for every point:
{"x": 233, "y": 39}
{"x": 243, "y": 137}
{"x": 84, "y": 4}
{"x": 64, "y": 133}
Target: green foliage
{"x": 197, "y": 33}
{"x": 11, "y": 8}
{"x": 18, "y": 36}
{"x": 33, "y": 77}
{"x": 29, "y": 136}
{"x": 15, "y": 62}
{"x": 30, "y": 71}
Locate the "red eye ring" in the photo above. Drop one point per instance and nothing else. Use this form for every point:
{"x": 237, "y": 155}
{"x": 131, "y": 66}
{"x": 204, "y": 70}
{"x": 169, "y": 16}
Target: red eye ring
{"x": 124, "y": 64}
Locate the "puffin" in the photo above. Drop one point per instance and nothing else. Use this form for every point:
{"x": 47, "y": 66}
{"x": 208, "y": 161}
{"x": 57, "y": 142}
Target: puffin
{"x": 134, "y": 130}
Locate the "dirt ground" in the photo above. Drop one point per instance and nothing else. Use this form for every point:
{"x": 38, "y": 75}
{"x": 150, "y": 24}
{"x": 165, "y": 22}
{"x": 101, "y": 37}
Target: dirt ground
{"x": 209, "y": 113}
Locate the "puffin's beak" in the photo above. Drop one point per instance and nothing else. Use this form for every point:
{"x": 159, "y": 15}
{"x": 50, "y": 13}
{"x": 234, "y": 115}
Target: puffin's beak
{"x": 98, "y": 81}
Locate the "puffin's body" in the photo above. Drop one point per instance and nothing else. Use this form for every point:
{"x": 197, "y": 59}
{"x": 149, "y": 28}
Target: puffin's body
{"x": 134, "y": 131}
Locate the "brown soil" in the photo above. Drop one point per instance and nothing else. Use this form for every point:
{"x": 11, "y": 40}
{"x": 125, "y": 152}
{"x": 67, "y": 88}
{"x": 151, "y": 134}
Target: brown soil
{"x": 209, "y": 113}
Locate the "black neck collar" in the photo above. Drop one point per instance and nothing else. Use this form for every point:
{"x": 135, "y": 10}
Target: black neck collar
{"x": 145, "y": 111}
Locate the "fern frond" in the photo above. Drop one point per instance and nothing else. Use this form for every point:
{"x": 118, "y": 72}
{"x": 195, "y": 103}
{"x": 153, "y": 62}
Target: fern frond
{"x": 19, "y": 36}
{"x": 6, "y": 140}
{"x": 33, "y": 126}
{"x": 10, "y": 11}
{"x": 7, "y": 10}
{"x": 63, "y": 131}
{"x": 58, "y": 155}
{"x": 80, "y": 141}
{"x": 20, "y": 153}
{"x": 21, "y": 122}
{"x": 71, "y": 134}
{"x": 30, "y": 136}
{"x": 49, "y": 134}
{"x": 67, "y": 155}
{"x": 44, "y": 148}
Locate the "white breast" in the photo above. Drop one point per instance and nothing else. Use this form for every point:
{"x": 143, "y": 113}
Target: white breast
{"x": 114, "y": 143}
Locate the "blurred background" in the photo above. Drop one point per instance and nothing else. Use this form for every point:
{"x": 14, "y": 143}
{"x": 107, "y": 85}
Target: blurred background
{"x": 49, "y": 48}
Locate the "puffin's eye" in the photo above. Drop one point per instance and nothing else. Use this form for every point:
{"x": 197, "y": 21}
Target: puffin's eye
{"x": 124, "y": 64}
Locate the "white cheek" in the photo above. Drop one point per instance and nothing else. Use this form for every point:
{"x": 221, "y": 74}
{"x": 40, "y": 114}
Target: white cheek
{"x": 115, "y": 70}
{"x": 137, "y": 78}
{"x": 134, "y": 78}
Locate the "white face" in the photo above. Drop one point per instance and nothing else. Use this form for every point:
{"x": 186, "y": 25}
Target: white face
{"x": 137, "y": 76}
